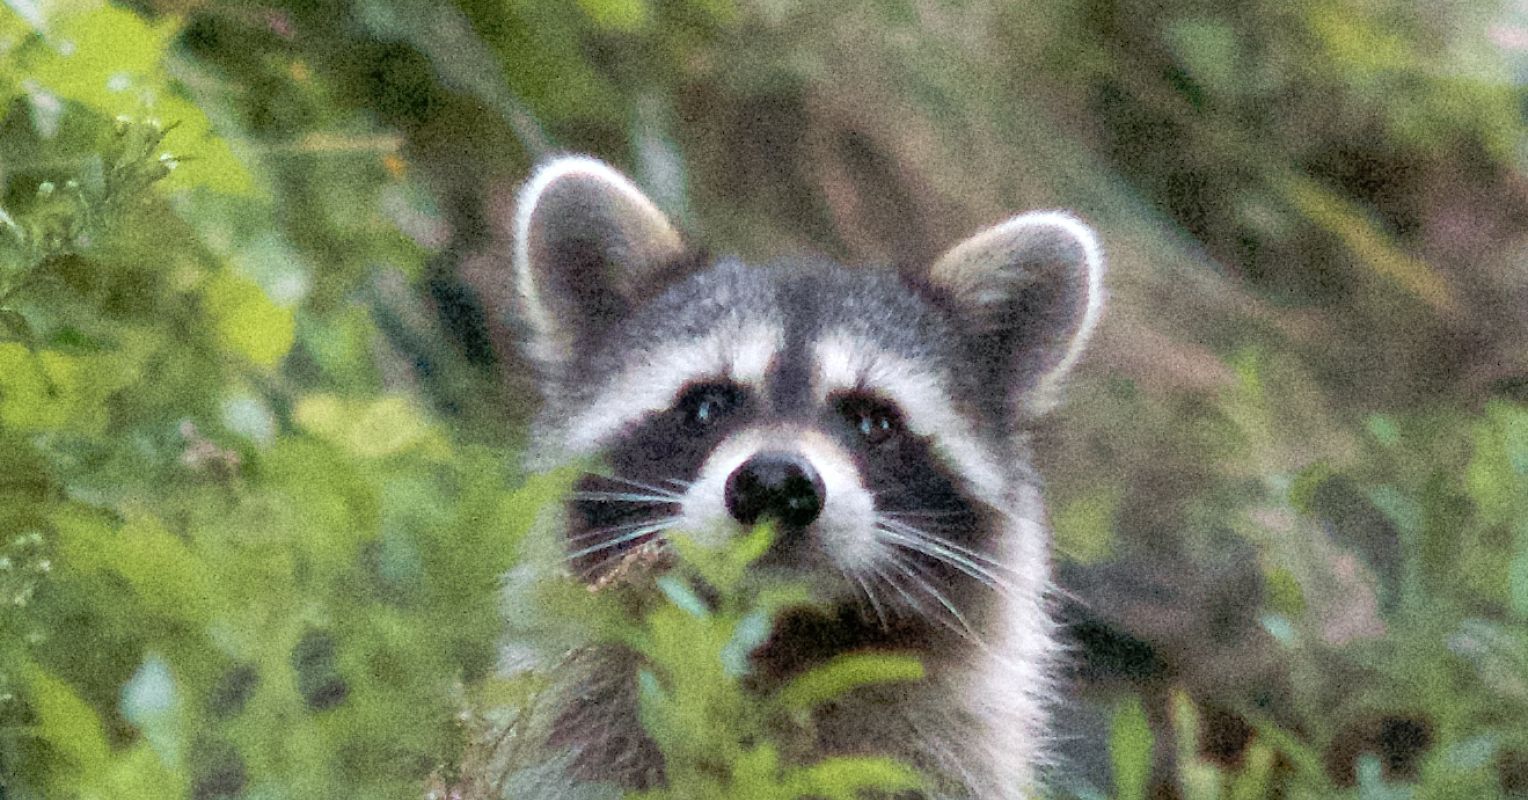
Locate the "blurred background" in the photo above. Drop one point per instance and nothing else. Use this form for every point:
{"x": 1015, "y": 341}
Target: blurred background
{"x": 1289, "y": 487}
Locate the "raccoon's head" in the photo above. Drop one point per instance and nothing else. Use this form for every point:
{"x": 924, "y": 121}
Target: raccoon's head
{"x": 872, "y": 415}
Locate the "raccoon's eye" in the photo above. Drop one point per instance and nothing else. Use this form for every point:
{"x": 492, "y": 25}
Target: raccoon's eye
{"x": 874, "y": 420}
{"x": 704, "y": 405}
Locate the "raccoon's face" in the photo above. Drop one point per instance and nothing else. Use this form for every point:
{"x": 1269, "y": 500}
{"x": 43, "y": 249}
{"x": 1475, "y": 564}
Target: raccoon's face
{"x": 870, "y": 415}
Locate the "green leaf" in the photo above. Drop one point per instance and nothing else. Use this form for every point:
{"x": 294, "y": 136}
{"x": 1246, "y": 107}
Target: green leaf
{"x": 846, "y": 673}
{"x": 203, "y": 159}
{"x": 1517, "y": 574}
{"x": 112, "y": 60}
{"x": 47, "y": 390}
{"x": 1367, "y": 241}
{"x": 1254, "y": 782}
{"x": 1130, "y": 743}
{"x": 680, "y": 594}
{"x": 1383, "y": 429}
{"x": 844, "y": 778}
{"x": 137, "y": 774}
{"x": 1302, "y": 491}
{"x": 1084, "y": 527}
{"x": 28, "y": 11}
{"x": 67, "y": 722}
{"x": 618, "y": 15}
{"x": 247, "y": 322}
{"x": 101, "y": 57}
{"x": 1211, "y": 53}
{"x": 369, "y": 429}
{"x": 167, "y": 576}
{"x": 1497, "y": 475}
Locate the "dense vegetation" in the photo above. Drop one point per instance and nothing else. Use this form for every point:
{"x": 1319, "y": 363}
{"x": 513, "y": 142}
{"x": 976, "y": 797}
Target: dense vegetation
{"x": 261, "y": 414}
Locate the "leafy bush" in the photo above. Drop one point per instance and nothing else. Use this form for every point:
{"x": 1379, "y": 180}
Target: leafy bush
{"x": 236, "y": 566}
{"x": 222, "y": 577}
{"x": 1408, "y": 681}
{"x": 718, "y": 737}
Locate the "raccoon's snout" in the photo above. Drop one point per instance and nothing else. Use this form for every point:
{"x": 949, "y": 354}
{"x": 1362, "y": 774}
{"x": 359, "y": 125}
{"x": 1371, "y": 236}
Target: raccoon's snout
{"x": 779, "y": 486}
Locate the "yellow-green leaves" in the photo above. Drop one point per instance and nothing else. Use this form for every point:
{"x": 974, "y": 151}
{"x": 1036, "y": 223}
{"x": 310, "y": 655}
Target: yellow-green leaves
{"x": 368, "y": 429}
{"x": 49, "y": 390}
{"x": 845, "y": 674}
{"x": 113, "y": 61}
{"x": 720, "y": 737}
{"x": 1130, "y": 743}
{"x": 66, "y": 720}
{"x": 248, "y": 322}
{"x": 1084, "y": 525}
{"x": 620, "y": 15}
{"x": 102, "y": 56}
{"x": 163, "y": 572}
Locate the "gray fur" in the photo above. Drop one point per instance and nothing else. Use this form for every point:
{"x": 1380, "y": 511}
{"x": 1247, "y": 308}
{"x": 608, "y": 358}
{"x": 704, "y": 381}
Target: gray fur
{"x": 965, "y": 351}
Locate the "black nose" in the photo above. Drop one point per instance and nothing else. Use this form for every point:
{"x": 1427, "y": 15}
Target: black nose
{"x": 778, "y": 486}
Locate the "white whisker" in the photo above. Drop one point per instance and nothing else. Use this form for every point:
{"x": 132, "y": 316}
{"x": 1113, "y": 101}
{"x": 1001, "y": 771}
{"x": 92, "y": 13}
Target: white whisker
{"x": 921, "y": 580}
{"x": 888, "y": 580}
{"x": 924, "y": 514}
{"x": 647, "y": 487}
{"x": 621, "y": 528}
{"x": 920, "y": 533}
{"x": 869, "y": 592}
{"x": 916, "y": 542}
{"x": 625, "y": 497}
{"x": 638, "y": 533}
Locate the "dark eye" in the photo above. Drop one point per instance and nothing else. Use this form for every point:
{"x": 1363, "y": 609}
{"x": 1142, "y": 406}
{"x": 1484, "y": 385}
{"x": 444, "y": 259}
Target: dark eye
{"x": 704, "y": 405}
{"x": 874, "y": 420}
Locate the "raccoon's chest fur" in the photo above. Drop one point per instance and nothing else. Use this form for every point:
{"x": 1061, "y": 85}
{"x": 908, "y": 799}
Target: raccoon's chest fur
{"x": 877, "y": 419}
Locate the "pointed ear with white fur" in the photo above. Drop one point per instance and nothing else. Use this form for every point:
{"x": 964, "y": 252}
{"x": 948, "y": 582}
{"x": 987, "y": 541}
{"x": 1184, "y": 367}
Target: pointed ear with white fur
{"x": 588, "y": 246}
{"x": 1028, "y": 293}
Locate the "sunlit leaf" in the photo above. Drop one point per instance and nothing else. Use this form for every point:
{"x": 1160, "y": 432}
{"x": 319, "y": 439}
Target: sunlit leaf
{"x": 845, "y": 778}
{"x": 247, "y": 322}
{"x": 1130, "y": 743}
{"x": 49, "y": 390}
{"x": 68, "y": 723}
{"x": 621, "y": 15}
{"x": 371, "y": 429}
{"x": 846, "y": 673}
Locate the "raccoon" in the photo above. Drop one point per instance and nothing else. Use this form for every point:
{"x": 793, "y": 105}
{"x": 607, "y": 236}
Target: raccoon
{"x": 877, "y": 417}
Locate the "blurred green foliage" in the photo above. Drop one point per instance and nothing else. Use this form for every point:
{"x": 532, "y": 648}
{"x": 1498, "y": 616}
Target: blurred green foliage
{"x": 259, "y": 422}
{"x": 220, "y": 576}
{"x": 718, "y": 738}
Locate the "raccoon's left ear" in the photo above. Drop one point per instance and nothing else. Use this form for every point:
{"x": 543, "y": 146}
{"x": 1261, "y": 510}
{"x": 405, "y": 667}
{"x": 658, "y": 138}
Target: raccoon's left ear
{"x": 588, "y": 246}
{"x": 1029, "y": 291}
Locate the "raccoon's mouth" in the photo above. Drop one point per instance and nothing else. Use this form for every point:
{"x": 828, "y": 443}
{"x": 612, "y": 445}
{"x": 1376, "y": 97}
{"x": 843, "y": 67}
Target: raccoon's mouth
{"x": 613, "y": 522}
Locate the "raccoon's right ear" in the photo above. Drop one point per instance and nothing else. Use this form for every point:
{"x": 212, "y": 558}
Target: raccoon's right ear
{"x": 1029, "y": 292}
{"x": 588, "y": 244}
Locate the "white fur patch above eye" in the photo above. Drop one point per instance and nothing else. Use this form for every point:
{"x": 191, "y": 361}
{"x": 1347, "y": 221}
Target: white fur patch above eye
{"x": 845, "y": 362}
{"x": 653, "y": 379}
